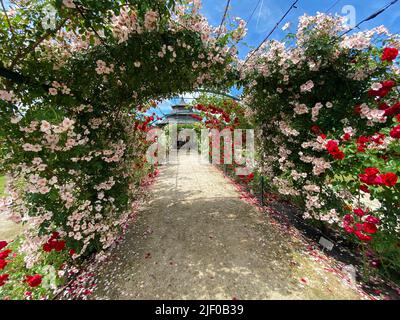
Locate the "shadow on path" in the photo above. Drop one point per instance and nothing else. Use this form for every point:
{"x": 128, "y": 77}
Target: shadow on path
{"x": 196, "y": 239}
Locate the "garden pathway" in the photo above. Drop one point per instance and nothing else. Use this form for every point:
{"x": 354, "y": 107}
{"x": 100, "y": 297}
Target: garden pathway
{"x": 197, "y": 239}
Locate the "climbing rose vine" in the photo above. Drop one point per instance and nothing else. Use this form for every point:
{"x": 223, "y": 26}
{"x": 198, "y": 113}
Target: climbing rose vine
{"x": 73, "y": 101}
{"x": 327, "y": 107}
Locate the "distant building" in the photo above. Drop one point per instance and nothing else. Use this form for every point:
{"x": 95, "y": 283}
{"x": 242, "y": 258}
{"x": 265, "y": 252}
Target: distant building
{"x": 180, "y": 114}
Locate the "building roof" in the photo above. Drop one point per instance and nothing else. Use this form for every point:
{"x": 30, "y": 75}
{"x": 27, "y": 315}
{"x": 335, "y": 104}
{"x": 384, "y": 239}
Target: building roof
{"x": 181, "y": 103}
{"x": 181, "y": 114}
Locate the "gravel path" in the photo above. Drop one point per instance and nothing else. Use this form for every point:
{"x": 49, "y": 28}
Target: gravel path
{"x": 8, "y": 229}
{"x": 196, "y": 239}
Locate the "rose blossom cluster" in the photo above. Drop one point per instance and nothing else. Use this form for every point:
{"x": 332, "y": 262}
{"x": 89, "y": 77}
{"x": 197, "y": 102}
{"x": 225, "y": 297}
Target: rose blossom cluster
{"x": 6, "y": 258}
{"x": 75, "y": 166}
{"x": 102, "y": 67}
{"x": 43, "y": 175}
{"x": 362, "y": 225}
{"x": 57, "y": 87}
{"x": 7, "y": 95}
{"x": 373, "y": 177}
{"x": 125, "y": 23}
{"x": 297, "y": 132}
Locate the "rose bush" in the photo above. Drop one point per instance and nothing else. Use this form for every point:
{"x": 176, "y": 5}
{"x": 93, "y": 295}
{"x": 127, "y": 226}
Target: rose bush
{"x": 222, "y": 114}
{"x": 326, "y": 105}
{"x": 73, "y": 98}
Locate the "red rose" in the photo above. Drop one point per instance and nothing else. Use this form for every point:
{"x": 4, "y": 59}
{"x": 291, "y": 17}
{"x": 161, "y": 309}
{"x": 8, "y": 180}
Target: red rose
{"x": 348, "y": 228}
{"x": 370, "y": 180}
{"x": 378, "y": 138}
{"x": 395, "y": 132}
{"x": 315, "y": 129}
{"x": 383, "y": 106}
{"x": 383, "y": 92}
{"x": 3, "y": 279}
{"x": 53, "y": 244}
{"x": 338, "y": 155}
{"x": 362, "y": 140}
{"x": 4, "y": 254}
{"x": 371, "y": 171}
{"x": 362, "y": 236}
{"x": 359, "y": 226}
{"x": 59, "y": 245}
{"x": 361, "y": 148}
{"x": 388, "y": 84}
{"x": 3, "y": 264}
{"x": 359, "y": 212}
{"x": 34, "y": 281}
{"x": 47, "y": 247}
{"x": 346, "y": 137}
{"x": 370, "y": 228}
{"x": 389, "y": 179}
{"x": 378, "y": 180}
{"x": 72, "y": 252}
{"x": 55, "y": 235}
{"x": 389, "y": 54}
{"x": 370, "y": 177}
{"x": 364, "y": 188}
{"x": 333, "y": 149}
{"x": 363, "y": 178}
{"x": 348, "y": 220}
{"x": 372, "y": 219}
{"x": 3, "y": 244}
{"x": 331, "y": 145}
{"x": 393, "y": 110}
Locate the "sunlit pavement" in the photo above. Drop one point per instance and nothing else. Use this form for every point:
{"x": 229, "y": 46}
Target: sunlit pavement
{"x": 197, "y": 239}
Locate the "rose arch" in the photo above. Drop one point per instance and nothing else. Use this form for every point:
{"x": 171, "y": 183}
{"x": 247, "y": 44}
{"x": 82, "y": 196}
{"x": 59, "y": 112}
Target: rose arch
{"x": 73, "y": 135}
{"x": 76, "y": 77}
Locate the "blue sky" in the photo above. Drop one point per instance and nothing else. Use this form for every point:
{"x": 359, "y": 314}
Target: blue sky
{"x": 268, "y": 12}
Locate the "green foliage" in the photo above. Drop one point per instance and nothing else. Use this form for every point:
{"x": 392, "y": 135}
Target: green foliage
{"x": 70, "y": 139}
{"x": 2, "y": 185}
{"x": 316, "y": 91}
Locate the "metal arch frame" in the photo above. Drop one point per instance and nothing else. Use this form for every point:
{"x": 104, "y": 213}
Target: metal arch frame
{"x": 218, "y": 93}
